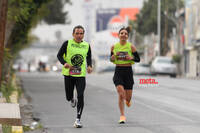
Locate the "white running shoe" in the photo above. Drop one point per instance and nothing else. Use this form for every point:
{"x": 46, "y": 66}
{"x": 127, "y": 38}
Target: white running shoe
{"x": 77, "y": 123}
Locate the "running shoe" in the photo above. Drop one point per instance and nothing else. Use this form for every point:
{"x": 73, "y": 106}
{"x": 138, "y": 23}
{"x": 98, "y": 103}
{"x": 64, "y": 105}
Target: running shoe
{"x": 77, "y": 123}
{"x": 128, "y": 104}
{"x": 122, "y": 119}
{"x": 73, "y": 103}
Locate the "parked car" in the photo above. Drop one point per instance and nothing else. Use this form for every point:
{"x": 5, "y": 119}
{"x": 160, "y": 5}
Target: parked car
{"x": 163, "y": 65}
{"x": 141, "y": 68}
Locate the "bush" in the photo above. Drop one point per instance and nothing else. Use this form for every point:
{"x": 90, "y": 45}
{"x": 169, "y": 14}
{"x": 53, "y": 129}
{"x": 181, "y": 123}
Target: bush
{"x": 176, "y": 58}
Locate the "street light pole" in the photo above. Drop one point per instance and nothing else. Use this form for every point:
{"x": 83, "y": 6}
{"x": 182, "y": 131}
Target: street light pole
{"x": 158, "y": 27}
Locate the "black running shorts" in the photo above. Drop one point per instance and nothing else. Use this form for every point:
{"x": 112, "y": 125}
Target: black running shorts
{"x": 124, "y": 76}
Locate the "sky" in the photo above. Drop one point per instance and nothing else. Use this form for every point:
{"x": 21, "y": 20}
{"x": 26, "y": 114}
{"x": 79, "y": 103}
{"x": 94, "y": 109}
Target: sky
{"x": 77, "y": 11}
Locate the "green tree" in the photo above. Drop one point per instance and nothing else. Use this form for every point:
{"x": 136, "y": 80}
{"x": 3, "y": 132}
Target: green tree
{"x": 21, "y": 17}
{"x": 55, "y": 12}
{"x": 147, "y": 18}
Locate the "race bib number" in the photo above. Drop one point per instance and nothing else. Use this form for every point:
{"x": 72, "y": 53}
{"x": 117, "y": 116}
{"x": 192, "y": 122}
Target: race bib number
{"x": 75, "y": 71}
{"x": 121, "y": 55}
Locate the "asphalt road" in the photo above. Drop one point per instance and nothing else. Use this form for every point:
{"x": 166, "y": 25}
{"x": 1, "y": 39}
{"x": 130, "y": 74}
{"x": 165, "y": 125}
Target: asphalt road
{"x": 171, "y": 106}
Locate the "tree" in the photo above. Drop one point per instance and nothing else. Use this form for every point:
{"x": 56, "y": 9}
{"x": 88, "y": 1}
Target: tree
{"x": 3, "y": 17}
{"x": 147, "y": 19}
{"x": 55, "y": 12}
{"x": 21, "y": 16}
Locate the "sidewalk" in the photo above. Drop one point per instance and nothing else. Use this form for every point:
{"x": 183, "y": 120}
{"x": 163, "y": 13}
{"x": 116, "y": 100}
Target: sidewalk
{"x": 191, "y": 78}
{"x": 10, "y": 113}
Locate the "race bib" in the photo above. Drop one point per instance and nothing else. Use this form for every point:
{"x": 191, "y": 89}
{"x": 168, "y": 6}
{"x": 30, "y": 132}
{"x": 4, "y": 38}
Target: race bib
{"x": 121, "y": 55}
{"x": 75, "y": 70}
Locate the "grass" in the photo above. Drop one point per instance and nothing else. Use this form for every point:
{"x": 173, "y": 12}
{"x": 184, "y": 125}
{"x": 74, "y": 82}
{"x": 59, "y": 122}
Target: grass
{"x": 6, "y": 129}
{"x": 8, "y": 87}
{"x": 27, "y": 128}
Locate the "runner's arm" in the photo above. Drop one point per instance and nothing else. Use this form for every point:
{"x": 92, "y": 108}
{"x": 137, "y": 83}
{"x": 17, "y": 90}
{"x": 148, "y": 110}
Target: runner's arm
{"x": 61, "y": 52}
{"x": 89, "y": 57}
{"x": 136, "y": 56}
{"x": 112, "y": 57}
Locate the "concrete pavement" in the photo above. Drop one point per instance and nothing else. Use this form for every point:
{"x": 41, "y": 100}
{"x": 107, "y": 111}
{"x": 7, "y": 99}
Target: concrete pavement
{"x": 170, "y": 107}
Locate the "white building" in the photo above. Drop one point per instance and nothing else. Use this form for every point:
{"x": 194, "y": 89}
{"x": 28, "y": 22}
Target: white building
{"x": 192, "y": 38}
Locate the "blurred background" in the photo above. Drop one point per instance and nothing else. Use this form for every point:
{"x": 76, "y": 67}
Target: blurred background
{"x": 168, "y": 28}
{"x": 166, "y": 34}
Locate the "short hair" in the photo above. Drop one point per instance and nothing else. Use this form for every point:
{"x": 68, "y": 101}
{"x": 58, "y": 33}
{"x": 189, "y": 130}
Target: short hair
{"x": 78, "y": 27}
{"x": 128, "y": 29}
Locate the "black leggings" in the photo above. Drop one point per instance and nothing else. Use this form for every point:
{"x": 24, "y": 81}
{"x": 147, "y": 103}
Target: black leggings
{"x": 80, "y": 83}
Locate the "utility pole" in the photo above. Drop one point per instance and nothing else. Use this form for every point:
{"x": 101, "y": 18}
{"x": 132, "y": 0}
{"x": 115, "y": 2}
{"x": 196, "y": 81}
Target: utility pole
{"x": 158, "y": 27}
{"x": 3, "y": 17}
{"x": 165, "y": 47}
{"x": 178, "y": 22}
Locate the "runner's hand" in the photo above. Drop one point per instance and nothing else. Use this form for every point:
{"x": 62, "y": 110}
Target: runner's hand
{"x": 67, "y": 65}
{"x": 112, "y": 58}
{"x": 128, "y": 57}
{"x": 89, "y": 69}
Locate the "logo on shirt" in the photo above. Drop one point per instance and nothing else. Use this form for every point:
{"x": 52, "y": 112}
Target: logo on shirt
{"x": 78, "y": 46}
{"x": 77, "y": 60}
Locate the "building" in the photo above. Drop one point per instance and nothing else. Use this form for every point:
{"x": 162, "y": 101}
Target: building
{"x": 192, "y": 38}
